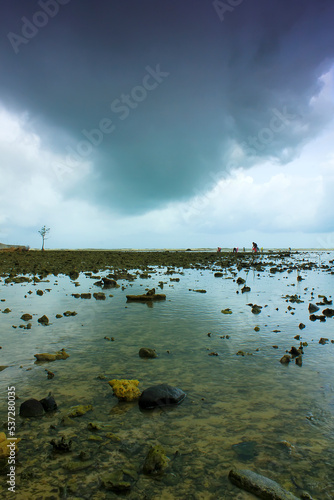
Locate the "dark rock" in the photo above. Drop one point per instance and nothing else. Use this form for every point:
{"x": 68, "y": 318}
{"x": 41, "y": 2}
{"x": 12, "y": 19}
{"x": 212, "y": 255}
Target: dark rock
{"x": 313, "y": 308}
{"x": 31, "y": 408}
{"x": 39, "y": 292}
{"x": 70, "y": 313}
{"x": 218, "y": 275}
{"x": 299, "y": 360}
{"x": 245, "y": 289}
{"x": 61, "y": 446}
{"x": 329, "y": 313}
{"x": 49, "y": 403}
{"x": 146, "y": 352}
{"x": 285, "y": 359}
{"x": 44, "y": 320}
{"x": 314, "y": 317}
{"x": 99, "y": 296}
{"x": 301, "y": 326}
{"x": 323, "y": 341}
{"x": 161, "y": 395}
{"x": 256, "y": 309}
{"x": 261, "y": 486}
{"x": 241, "y": 281}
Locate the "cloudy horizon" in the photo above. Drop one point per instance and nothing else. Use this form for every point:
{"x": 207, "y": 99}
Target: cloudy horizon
{"x": 167, "y": 124}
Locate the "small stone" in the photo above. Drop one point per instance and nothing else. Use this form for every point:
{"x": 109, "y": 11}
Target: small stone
{"x": 44, "y": 320}
{"x": 285, "y": 359}
{"x": 26, "y": 317}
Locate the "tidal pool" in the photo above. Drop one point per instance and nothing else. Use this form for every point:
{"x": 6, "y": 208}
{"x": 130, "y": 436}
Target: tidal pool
{"x": 245, "y": 410}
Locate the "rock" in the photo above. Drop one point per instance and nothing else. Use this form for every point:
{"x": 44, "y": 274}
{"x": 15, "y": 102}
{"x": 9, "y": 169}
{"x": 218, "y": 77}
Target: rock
{"x": 241, "y": 281}
{"x": 26, "y": 317}
{"x": 329, "y": 313}
{"x": 45, "y": 356}
{"x": 295, "y": 352}
{"x": 314, "y": 317}
{"x": 259, "y": 485}
{"x": 44, "y": 320}
{"x": 161, "y": 395}
{"x": 146, "y": 352}
{"x": 61, "y": 446}
{"x": 323, "y": 341}
{"x": 299, "y": 360}
{"x": 39, "y": 292}
{"x": 285, "y": 359}
{"x": 146, "y": 297}
{"x": 156, "y": 461}
{"x": 218, "y": 275}
{"x": 313, "y": 308}
{"x": 99, "y": 296}
{"x": 31, "y": 408}
{"x": 79, "y": 410}
{"x": 256, "y": 309}
{"x": 245, "y": 289}
{"x": 107, "y": 283}
{"x": 125, "y": 390}
{"x": 49, "y": 403}
{"x": 226, "y": 311}
{"x": 86, "y": 295}
{"x": 70, "y": 313}
{"x": 116, "y": 481}
{"x": 200, "y": 291}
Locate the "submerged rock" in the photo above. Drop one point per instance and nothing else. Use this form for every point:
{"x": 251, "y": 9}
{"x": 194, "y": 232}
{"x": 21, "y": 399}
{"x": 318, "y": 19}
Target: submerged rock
{"x": 146, "y": 352}
{"x": 260, "y": 486}
{"x": 156, "y": 461}
{"x": 31, "y": 408}
{"x": 116, "y": 481}
{"x": 161, "y": 395}
{"x": 79, "y": 410}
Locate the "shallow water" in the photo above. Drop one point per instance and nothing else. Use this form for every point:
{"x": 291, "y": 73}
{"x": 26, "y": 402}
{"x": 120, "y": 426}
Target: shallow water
{"x": 246, "y": 411}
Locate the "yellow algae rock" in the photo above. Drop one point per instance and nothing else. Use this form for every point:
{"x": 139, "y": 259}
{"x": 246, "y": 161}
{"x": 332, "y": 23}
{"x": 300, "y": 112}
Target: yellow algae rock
{"x": 45, "y": 356}
{"x": 4, "y": 442}
{"x": 77, "y": 411}
{"x": 125, "y": 390}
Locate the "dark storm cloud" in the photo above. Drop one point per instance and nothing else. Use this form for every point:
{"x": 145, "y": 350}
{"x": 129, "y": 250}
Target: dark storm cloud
{"x": 162, "y": 89}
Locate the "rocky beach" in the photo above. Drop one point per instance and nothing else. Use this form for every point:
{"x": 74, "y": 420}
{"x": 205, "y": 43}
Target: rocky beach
{"x": 168, "y": 374}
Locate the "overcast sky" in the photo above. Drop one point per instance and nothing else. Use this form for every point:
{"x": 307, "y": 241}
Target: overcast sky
{"x": 167, "y": 123}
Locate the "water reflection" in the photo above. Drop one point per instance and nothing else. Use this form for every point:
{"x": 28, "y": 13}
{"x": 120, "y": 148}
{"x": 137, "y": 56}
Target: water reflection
{"x": 249, "y": 410}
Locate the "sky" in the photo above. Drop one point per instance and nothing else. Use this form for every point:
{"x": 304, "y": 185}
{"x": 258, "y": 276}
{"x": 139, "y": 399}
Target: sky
{"x": 167, "y": 123}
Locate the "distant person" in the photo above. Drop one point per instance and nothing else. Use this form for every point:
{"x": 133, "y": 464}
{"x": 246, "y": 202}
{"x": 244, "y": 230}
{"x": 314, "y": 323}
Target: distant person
{"x": 244, "y": 249}
{"x": 219, "y": 249}
{"x": 255, "y": 247}
{"x": 235, "y": 249}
